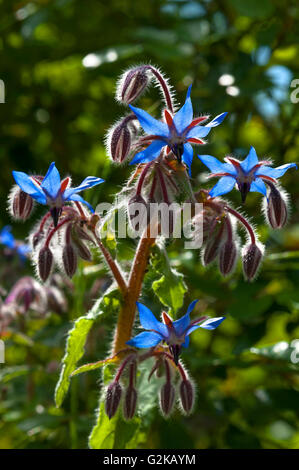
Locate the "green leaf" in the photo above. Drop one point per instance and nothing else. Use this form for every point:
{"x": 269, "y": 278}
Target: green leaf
{"x": 77, "y": 338}
{"x": 170, "y": 288}
{"x": 94, "y": 365}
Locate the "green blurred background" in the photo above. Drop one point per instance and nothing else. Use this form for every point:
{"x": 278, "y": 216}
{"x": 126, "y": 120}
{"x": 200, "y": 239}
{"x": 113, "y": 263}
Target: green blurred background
{"x": 59, "y": 61}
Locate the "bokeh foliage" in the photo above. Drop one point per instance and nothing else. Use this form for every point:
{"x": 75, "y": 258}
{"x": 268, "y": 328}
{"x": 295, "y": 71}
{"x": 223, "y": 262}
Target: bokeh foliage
{"x": 59, "y": 63}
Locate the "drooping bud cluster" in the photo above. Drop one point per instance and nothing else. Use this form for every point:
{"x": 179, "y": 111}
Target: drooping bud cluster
{"x": 123, "y": 388}
{"x": 122, "y": 138}
{"x": 63, "y": 244}
{"x": 28, "y": 295}
{"x": 220, "y": 240}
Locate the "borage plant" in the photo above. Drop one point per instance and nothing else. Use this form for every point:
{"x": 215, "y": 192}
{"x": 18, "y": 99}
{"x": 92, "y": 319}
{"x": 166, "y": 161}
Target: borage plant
{"x": 154, "y": 201}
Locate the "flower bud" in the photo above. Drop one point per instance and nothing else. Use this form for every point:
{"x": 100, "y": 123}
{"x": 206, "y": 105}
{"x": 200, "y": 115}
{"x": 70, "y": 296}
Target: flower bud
{"x": 132, "y": 84}
{"x": 120, "y": 142}
{"x": 138, "y": 212}
{"x": 45, "y": 263}
{"x": 167, "y": 396}
{"x": 21, "y": 204}
{"x": 130, "y": 402}
{"x": 252, "y": 257}
{"x": 277, "y": 211}
{"x": 227, "y": 257}
{"x": 212, "y": 247}
{"x": 69, "y": 259}
{"x": 113, "y": 396}
{"x": 187, "y": 395}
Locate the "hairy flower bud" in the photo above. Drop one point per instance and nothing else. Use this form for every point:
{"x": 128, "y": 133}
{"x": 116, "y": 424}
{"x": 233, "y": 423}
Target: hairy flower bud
{"x": 69, "y": 259}
{"x": 120, "y": 141}
{"x": 130, "y": 402}
{"x": 112, "y": 400}
{"x": 138, "y": 212}
{"x": 167, "y": 396}
{"x": 227, "y": 257}
{"x": 21, "y": 204}
{"x": 252, "y": 257}
{"x": 45, "y": 263}
{"x": 277, "y": 211}
{"x": 187, "y": 395}
{"x": 132, "y": 84}
{"x": 212, "y": 247}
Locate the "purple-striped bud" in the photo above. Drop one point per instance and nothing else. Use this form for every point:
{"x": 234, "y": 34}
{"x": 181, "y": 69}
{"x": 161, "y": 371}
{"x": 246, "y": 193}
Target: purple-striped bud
{"x": 277, "y": 210}
{"x": 120, "y": 142}
{"x": 167, "y": 396}
{"x": 112, "y": 400}
{"x": 227, "y": 257}
{"x": 252, "y": 257}
{"x": 69, "y": 259}
{"x": 187, "y": 395}
{"x": 130, "y": 402}
{"x": 45, "y": 263}
{"x": 21, "y": 204}
{"x": 138, "y": 212}
{"x": 132, "y": 84}
{"x": 212, "y": 247}
{"x": 82, "y": 250}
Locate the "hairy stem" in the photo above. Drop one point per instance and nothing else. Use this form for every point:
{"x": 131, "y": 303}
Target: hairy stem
{"x": 127, "y": 313}
{"x": 113, "y": 266}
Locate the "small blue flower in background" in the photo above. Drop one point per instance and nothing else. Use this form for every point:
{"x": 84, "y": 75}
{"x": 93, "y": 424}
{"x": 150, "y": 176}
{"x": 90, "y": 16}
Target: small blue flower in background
{"x": 174, "y": 333}
{"x": 248, "y": 174}
{"x": 177, "y": 132}
{"x": 52, "y": 191}
{"x": 7, "y": 239}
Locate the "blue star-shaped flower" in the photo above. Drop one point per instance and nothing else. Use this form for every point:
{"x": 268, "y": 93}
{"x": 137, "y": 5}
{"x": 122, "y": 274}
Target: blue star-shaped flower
{"x": 177, "y": 132}
{"x": 174, "y": 333}
{"x": 7, "y": 239}
{"x": 52, "y": 191}
{"x": 248, "y": 175}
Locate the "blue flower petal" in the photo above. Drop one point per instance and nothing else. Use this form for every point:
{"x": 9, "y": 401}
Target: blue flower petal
{"x": 150, "y": 153}
{"x": 191, "y": 306}
{"x": 77, "y": 197}
{"x": 150, "y": 124}
{"x": 211, "y": 323}
{"x": 258, "y": 186}
{"x": 146, "y": 339}
{"x": 186, "y": 343}
{"x": 184, "y": 116}
{"x": 89, "y": 182}
{"x": 215, "y": 166}
{"x": 224, "y": 185}
{"x": 274, "y": 172}
{"x": 181, "y": 325}
{"x": 149, "y": 322}
{"x": 28, "y": 186}
{"x": 217, "y": 120}
{"x": 188, "y": 156}
{"x": 191, "y": 329}
{"x": 198, "y": 132}
{"x": 7, "y": 238}
{"x": 250, "y": 161}
{"x": 51, "y": 182}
